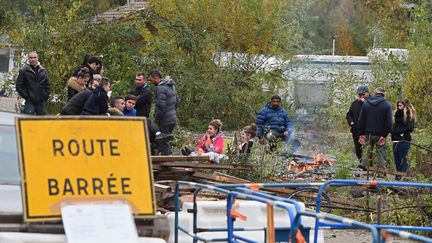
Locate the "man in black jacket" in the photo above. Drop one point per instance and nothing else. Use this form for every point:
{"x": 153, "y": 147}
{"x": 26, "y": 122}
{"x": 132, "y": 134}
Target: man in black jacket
{"x": 75, "y": 105}
{"x": 92, "y": 63}
{"x": 33, "y": 85}
{"x": 374, "y": 124}
{"x": 143, "y": 94}
{"x": 167, "y": 102}
{"x": 352, "y": 117}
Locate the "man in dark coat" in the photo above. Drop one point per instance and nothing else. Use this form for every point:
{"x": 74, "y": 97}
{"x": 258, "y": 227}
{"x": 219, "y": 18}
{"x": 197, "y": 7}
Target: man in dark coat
{"x": 352, "y": 117}
{"x": 33, "y": 85}
{"x": 374, "y": 124}
{"x": 143, "y": 94}
{"x": 75, "y": 105}
{"x": 97, "y": 103}
{"x": 276, "y": 118}
{"x": 92, "y": 63}
{"x": 167, "y": 102}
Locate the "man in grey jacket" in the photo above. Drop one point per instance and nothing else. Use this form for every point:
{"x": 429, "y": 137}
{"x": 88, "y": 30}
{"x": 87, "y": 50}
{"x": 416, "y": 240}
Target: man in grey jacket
{"x": 167, "y": 102}
{"x": 33, "y": 85}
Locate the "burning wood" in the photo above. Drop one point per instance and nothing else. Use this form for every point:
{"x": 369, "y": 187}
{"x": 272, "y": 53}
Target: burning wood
{"x": 318, "y": 162}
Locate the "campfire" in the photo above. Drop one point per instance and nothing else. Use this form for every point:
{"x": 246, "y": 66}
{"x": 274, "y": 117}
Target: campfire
{"x": 309, "y": 165}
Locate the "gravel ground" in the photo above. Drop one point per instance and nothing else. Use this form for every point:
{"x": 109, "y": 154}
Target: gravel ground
{"x": 354, "y": 236}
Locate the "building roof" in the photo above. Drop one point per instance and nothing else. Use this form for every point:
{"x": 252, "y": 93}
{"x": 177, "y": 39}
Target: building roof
{"x": 122, "y": 11}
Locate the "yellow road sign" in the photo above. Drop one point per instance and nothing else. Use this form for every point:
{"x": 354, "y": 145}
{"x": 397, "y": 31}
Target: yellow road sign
{"x": 83, "y": 159}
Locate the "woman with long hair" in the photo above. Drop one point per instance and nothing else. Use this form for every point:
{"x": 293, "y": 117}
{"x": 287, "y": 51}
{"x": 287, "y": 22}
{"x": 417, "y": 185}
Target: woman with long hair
{"x": 403, "y": 126}
{"x": 211, "y": 142}
{"x": 248, "y": 138}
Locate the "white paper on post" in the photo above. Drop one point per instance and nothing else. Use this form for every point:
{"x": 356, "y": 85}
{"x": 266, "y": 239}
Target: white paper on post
{"x": 108, "y": 223}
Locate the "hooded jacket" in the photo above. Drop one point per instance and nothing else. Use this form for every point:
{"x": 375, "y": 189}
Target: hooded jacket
{"x": 277, "y": 118}
{"x": 75, "y": 105}
{"x": 97, "y": 103}
{"x": 73, "y": 87}
{"x": 144, "y": 100}
{"x": 167, "y": 102}
{"x": 375, "y": 117}
{"x": 402, "y": 128}
{"x": 33, "y": 85}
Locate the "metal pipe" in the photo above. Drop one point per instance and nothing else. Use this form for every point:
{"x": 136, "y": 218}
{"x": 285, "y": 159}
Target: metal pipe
{"x": 348, "y": 222}
{"x": 195, "y": 217}
{"x": 360, "y": 183}
{"x": 176, "y": 213}
{"x": 407, "y": 235}
{"x": 270, "y": 224}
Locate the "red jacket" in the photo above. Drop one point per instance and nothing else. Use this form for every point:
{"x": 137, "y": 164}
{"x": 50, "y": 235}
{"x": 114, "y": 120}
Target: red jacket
{"x": 216, "y": 145}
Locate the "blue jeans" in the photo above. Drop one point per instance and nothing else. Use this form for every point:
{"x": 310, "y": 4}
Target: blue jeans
{"x": 35, "y": 109}
{"x": 400, "y": 152}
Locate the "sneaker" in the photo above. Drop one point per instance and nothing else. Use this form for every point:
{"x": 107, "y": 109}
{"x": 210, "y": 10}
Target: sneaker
{"x": 163, "y": 137}
{"x": 186, "y": 151}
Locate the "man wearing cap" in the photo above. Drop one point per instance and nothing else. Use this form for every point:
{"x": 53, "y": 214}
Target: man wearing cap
{"x": 352, "y": 117}
{"x": 374, "y": 124}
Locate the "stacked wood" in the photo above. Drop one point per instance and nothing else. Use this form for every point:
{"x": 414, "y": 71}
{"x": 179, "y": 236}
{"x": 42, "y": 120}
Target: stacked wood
{"x": 169, "y": 169}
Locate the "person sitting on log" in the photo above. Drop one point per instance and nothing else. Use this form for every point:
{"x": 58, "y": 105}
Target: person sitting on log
{"x": 248, "y": 138}
{"x": 210, "y": 144}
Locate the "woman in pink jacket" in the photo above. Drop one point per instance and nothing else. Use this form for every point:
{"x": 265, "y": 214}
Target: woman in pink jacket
{"x": 211, "y": 142}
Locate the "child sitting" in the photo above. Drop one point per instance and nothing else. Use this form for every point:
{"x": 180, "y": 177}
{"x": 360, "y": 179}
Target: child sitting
{"x": 248, "y": 138}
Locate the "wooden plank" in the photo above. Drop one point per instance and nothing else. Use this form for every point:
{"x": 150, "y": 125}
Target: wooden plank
{"x": 219, "y": 178}
{"x": 226, "y": 179}
{"x": 388, "y": 171}
{"x": 162, "y": 188}
{"x": 206, "y": 166}
{"x": 158, "y": 159}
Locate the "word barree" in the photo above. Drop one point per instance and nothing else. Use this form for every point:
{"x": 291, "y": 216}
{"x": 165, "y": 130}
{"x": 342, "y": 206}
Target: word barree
{"x": 89, "y": 186}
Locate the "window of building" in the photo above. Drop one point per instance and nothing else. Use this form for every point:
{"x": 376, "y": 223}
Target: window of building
{"x": 4, "y": 60}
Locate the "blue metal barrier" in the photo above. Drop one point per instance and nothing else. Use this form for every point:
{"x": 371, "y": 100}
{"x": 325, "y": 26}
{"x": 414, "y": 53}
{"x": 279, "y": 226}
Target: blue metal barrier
{"x": 404, "y": 235}
{"x": 365, "y": 183}
{"x": 255, "y": 193}
{"x": 243, "y": 191}
{"x": 348, "y": 223}
{"x": 230, "y": 200}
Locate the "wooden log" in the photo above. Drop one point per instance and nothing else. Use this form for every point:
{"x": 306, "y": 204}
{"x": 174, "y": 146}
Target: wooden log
{"x": 206, "y": 166}
{"x": 381, "y": 170}
{"x": 388, "y": 171}
{"x": 170, "y": 158}
{"x": 162, "y": 188}
{"x": 219, "y": 178}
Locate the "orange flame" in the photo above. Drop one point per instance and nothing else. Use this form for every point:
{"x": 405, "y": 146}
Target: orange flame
{"x": 318, "y": 160}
